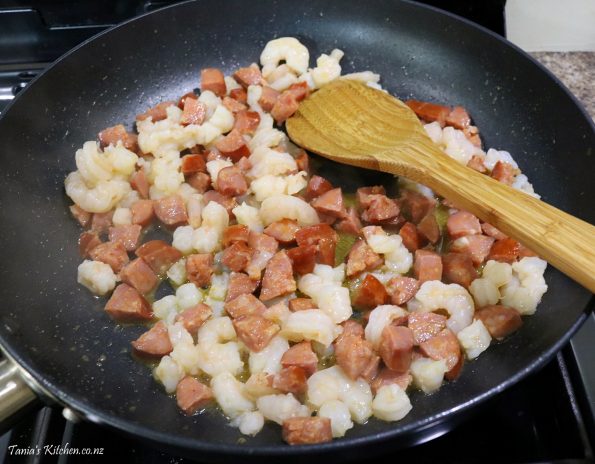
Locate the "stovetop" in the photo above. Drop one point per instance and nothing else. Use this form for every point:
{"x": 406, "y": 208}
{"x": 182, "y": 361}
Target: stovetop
{"x": 548, "y": 417}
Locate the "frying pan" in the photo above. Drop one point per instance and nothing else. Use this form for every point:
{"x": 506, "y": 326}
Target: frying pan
{"x": 57, "y": 333}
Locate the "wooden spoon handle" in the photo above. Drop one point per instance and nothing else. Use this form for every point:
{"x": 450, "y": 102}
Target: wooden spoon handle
{"x": 565, "y": 241}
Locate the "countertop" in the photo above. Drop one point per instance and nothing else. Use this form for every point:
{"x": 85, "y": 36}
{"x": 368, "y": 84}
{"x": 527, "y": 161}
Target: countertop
{"x": 576, "y": 70}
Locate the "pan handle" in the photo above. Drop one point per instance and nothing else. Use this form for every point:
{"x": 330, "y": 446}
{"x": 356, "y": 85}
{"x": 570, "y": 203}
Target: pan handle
{"x": 16, "y": 397}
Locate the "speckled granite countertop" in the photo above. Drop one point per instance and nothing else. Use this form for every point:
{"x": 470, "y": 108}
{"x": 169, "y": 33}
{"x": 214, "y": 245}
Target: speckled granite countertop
{"x": 576, "y": 70}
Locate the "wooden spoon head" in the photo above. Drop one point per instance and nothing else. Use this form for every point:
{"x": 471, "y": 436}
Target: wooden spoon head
{"x": 351, "y": 123}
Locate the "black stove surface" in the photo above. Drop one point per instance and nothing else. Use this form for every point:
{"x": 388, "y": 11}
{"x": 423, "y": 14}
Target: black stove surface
{"x": 548, "y": 417}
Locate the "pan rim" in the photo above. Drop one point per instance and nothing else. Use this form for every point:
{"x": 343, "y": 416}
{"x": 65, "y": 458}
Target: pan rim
{"x": 96, "y": 415}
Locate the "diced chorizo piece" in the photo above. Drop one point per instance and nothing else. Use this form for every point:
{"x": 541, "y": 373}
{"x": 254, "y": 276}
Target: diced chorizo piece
{"x": 472, "y": 134}
{"x": 476, "y": 163}
{"x": 127, "y": 234}
{"x": 425, "y": 325}
{"x": 330, "y": 203}
{"x": 112, "y": 253}
{"x": 371, "y": 370}
{"x": 140, "y": 183}
{"x": 303, "y": 161}
{"x": 352, "y": 328}
{"x": 268, "y": 98}
{"x": 246, "y": 122}
{"x": 127, "y": 305}
{"x": 255, "y": 331}
{"x": 278, "y": 277}
{"x": 427, "y": 266}
{"x": 505, "y": 250}
{"x": 262, "y": 242}
{"x": 429, "y": 229}
{"x": 457, "y": 268}
{"x": 201, "y": 181}
{"x": 411, "y": 238}
{"x": 285, "y": 106}
{"x": 301, "y": 304}
{"x": 458, "y": 118}
{"x": 462, "y": 223}
{"x": 154, "y": 343}
{"x": 291, "y": 379}
{"x": 213, "y": 79}
{"x": 171, "y": 210}
{"x": 443, "y": 346}
{"x": 351, "y": 223}
{"x": 158, "y": 255}
{"x": 184, "y": 97}
{"x": 476, "y": 246}
{"x": 303, "y": 258}
{"x": 101, "y": 222}
{"x": 307, "y": 430}
{"x": 139, "y": 275}
{"x": 503, "y": 172}
{"x": 233, "y": 146}
{"x": 499, "y": 320}
{"x": 239, "y": 94}
{"x": 301, "y": 355}
{"x": 371, "y": 293}
{"x": 88, "y": 241}
{"x": 83, "y": 217}
{"x": 229, "y": 203}
{"x": 233, "y": 105}
{"x": 142, "y": 212}
{"x": 429, "y": 112}
{"x": 194, "y": 317}
{"x": 326, "y": 219}
{"x": 231, "y": 182}
{"x": 362, "y": 258}
{"x": 396, "y": 346}
{"x": 192, "y": 164}
{"x": 283, "y": 231}
{"x": 199, "y": 269}
{"x": 381, "y": 208}
{"x": 157, "y": 113}
{"x": 235, "y": 233}
{"x": 245, "y": 305}
{"x": 115, "y": 134}
{"x": 416, "y": 206}
{"x": 491, "y": 231}
{"x": 240, "y": 284}
{"x": 401, "y": 289}
{"x": 387, "y": 376}
{"x": 194, "y": 112}
{"x": 311, "y": 235}
{"x": 353, "y": 354}
{"x": 237, "y": 256}
{"x": 248, "y": 76}
{"x": 363, "y": 195}
{"x": 300, "y": 90}
{"x": 192, "y": 395}
{"x": 317, "y": 186}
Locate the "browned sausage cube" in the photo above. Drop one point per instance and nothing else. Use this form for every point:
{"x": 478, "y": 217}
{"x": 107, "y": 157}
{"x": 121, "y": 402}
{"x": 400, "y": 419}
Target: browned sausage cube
{"x": 401, "y": 289}
{"x": 278, "y": 277}
{"x": 193, "y": 163}
{"x": 246, "y": 122}
{"x": 303, "y": 258}
{"x": 154, "y": 343}
{"x": 300, "y": 90}
{"x": 183, "y": 98}
{"x": 291, "y": 379}
{"x": 127, "y": 234}
{"x": 195, "y": 112}
{"x": 101, "y": 222}
{"x": 83, "y": 217}
{"x": 140, "y": 183}
{"x": 458, "y": 269}
{"x": 300, "y": 304}
{"x": 396, "y": 346}
{"x": 429, "y": 111}
{"x": 231, "y": 182}
{"x": 462, "y": 223}
{"x": 444, "y": 345}
{"x": 506, "y": 250}
{"x": 503, "y": 172}
{"x": 88, "y": 241}
{"x": 195, "y": 316}
{"x": 351, "y": 223}
{"x": 458, "y": 118}
{"x": 235, "y": 233}
{"x": 233, "y": 146}
{"x": 192, "y": 395}
{"x": 353, "y": 354}
{"x": 199, "y": 269}
{"x": 127, "y": 305}
{"x": 268, "y": 98}
{"x": 110, "y": 253}
{"x": 330, "y": 203}
{"x": 237, "y": 256}
{"x": 428, "y": 228}
{"x": 425, "y": 325}
{"x": 157, "y": 113}
{"x": 415, "y": 205}
{"x": 381, "y": 208}
{"x": 499, "y": 320}
{"x": 362, "y": 258}
{"x": 212, "y": 79}
{"x": 200, "y": 181}
{"x": 363, "y": 195}
{"x": 171, "y": 210}
{"x": 476, "y": 246}
{"x": 371, "y": 293}
{"x": 255, "y": 331}
{"x": 301, "y": 355}
{"x": 229, "y": 203}
{"x": 139, "y": 275}
{"x": 317, "y": 186}
{"x": 307, "y": 430}
{"x": 245, "y": 305}
{"x": 240, "y": 284}
{"x": 239, "y": 94}
{"x": 158, "y": 255}
{"x": 142, "y": 212}
{"x": 233, "y": 106}
{"x": 303, "y": 161}
{"x": 387, "y": 376}
{"x": 283, "y": 230}
{"x": 427, "y": 266}
{"x": 411, "y": 239}
{"x": 115, "y": 134}
{"x": 476, "y": 163}
{"x": 262, "y": 242}
{"x": 248, "y": 76}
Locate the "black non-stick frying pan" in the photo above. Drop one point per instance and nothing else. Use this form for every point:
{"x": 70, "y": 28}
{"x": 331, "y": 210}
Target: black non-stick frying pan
{"x": 61, "y": 336}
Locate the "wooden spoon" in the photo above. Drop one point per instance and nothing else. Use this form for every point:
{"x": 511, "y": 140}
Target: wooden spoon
{"x": 352, "y": 123}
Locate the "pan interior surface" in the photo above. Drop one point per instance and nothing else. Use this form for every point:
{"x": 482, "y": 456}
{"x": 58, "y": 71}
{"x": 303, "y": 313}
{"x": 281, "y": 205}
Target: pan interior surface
{"x": 60, "y": 333}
